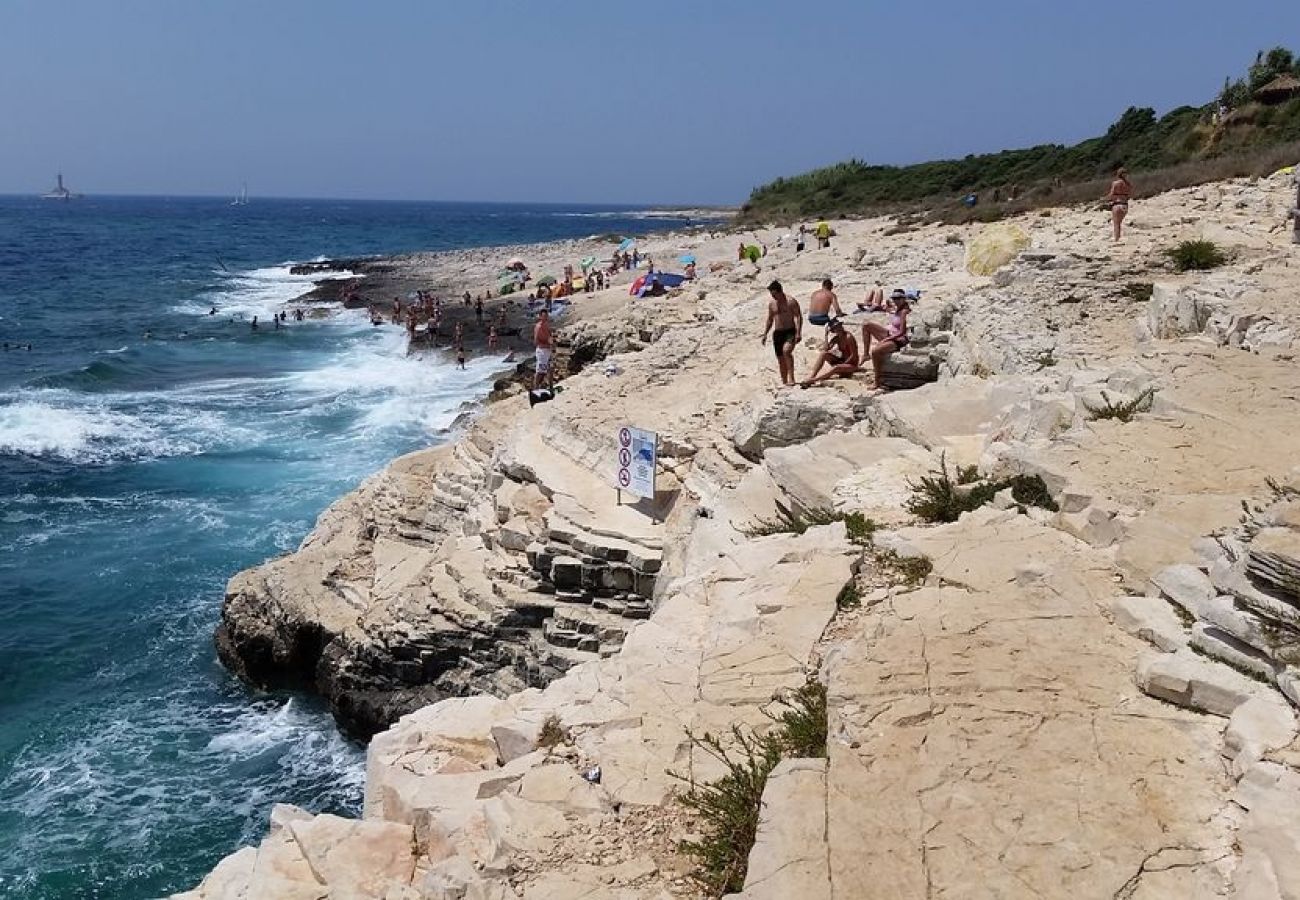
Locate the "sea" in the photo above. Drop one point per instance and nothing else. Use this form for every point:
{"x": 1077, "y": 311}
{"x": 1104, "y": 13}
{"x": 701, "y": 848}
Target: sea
{"x": 149, "y": 451}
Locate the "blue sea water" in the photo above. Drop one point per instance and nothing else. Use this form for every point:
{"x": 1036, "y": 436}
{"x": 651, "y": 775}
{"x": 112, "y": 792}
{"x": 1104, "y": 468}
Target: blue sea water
{"x": 138, "y": 474}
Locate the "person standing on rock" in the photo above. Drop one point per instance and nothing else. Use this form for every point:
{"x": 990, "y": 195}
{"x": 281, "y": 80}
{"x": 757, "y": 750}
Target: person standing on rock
{"x": 785, "y": 323}
{"x": 544, "y": 345}
{"x": 1121, "y": 192}
{"x": 822, "y": 303}
{"x": 823, "y": 233}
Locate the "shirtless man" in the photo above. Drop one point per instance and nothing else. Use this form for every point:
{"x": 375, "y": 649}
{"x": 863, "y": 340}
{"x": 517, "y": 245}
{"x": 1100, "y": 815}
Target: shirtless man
{"x": 545, "y": 346}
{"x": 822, "y": 302}
{"x": 841, "y": 354}
{"x": 783, "y": 315}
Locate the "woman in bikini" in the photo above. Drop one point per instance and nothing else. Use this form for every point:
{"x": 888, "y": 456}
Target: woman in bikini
{"x": 1121, "y": 192}
{"x": 887, "y": 338}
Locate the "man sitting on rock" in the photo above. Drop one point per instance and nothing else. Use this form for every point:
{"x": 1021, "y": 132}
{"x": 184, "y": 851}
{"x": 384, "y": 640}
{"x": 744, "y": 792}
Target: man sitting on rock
{"x": 841, "y": 355}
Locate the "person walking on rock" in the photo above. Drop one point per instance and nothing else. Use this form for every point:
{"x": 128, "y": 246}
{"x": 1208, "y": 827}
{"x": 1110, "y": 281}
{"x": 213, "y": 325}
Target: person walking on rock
{"x": 545, "y": 347}
{"x": 823, "y": 233}
{"x": 785, "y": 323}
{"x": 1121, "y": 192}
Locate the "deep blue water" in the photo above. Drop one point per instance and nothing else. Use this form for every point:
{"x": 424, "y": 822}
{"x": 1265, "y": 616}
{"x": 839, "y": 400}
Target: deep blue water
{"x": 138, "y": 474}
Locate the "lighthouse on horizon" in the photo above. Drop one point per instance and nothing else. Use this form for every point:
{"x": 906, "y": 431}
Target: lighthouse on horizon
{"x": 60, "y": 192}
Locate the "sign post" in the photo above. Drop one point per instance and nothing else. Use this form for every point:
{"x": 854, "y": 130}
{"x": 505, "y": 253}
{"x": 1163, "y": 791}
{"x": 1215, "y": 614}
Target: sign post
{"x": 638, "y": 457}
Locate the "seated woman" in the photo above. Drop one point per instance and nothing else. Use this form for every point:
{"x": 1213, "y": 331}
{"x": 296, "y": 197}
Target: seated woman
{"x": 841, "y": 355}
{"x": 888, "y": 339}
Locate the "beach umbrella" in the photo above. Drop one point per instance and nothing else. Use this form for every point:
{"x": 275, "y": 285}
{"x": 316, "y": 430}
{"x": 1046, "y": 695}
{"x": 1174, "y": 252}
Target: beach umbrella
{"x": 546, "y": 279}
{"x": 516, "y": 263}
{"x": 588, "y": 262}
{"x": 626, "y": 245}
{"x": 686, "y": 260}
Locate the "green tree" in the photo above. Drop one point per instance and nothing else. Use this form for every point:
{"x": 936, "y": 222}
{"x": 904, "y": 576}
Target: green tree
{"x": 1269, "y": 65}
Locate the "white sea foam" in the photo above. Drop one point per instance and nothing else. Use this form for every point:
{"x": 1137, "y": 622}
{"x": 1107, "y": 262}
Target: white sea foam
{"x": 75, "y": 434}
{"x": 259, "y": 292}
{"x": 95, "y": 428}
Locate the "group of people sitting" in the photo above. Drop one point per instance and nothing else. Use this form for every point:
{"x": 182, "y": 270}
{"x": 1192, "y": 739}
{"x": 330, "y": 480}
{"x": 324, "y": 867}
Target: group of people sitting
{"x": 841, "y": 358}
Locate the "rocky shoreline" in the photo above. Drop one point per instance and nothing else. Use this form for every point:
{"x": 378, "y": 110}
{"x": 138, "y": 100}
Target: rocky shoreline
{"x": 1094, "y": 700}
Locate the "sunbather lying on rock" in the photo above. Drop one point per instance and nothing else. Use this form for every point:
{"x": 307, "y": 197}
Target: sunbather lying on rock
{"x": 841, "y": 355}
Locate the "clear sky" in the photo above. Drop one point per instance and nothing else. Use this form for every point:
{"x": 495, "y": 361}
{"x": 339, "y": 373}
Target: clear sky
{"x": 577, "y": 100}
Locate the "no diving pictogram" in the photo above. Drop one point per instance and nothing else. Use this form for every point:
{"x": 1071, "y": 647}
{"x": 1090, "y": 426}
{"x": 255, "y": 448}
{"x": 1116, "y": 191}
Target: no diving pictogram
{"x": 625, "y": 457}
{"x": 624, "y": 477}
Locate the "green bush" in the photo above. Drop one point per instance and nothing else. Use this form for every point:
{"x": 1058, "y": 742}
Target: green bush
{"x": 729, "y": 807}
{"x": 859, "y": 528}
{"x": 938, "y": 497}
{"x": 1125, "y": 411}
{"x": 802, "y": 725}
{"x": 1150, "y": 147}
{"x": 792, "y": 521}
{"x": 1196, "y": 256}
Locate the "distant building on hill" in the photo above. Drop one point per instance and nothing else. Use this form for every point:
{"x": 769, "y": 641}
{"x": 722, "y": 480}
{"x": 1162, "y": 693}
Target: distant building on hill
{"x": 1281, "y": 89}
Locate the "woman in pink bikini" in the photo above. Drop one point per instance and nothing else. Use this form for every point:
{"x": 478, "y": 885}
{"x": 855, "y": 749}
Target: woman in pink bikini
{"x": 887, "y": 338}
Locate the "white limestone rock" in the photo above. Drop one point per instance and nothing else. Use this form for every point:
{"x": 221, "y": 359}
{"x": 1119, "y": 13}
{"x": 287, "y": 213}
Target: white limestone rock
{"x": 1257, "y": 727}
{"x": 1152, "y": 620}
{"x": 1185, "y": 679}
{"x": 794, "y": 417}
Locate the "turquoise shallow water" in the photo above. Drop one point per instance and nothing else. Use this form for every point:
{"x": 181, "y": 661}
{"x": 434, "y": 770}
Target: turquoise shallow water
{"x": 137, "y": 475}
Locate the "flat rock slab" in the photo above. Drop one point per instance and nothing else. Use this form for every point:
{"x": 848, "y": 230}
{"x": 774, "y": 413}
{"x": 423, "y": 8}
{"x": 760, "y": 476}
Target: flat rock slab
{"x": 988, "y": 740}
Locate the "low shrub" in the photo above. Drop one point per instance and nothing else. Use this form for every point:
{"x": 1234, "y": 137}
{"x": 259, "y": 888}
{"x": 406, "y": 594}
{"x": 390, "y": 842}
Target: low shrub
{"x": 552, "y": 733}
{"x": 849, "y": 597}
{"x": 792, "y": 521}
{"x": 938, "y": 497}
{"x": 859, "y": 528}
{"x": 911, "y": 570}
{"x": 1125, "y": 411}
{"x": 802, "y": 725}
{"x": 1139, "y": 291}
{"x": 729, "y": 808}
{"x": 1196, "y": 256}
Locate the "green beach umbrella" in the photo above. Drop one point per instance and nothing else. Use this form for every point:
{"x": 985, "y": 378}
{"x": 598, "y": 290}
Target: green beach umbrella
{"x": 546, "y": 279}
{"x": 588, "y": 262}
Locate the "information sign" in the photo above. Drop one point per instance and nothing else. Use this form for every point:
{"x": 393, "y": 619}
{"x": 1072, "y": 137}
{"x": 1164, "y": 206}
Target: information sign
{"x": 638, "y": 452}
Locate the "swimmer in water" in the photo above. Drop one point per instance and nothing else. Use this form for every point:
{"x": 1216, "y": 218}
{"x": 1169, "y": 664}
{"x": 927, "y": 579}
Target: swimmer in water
{"x": 254, "y": 325}
{"x": 213, "y": 311}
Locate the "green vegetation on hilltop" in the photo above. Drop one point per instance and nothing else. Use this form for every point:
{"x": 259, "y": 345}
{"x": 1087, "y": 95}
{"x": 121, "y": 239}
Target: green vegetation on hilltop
{"x": 1234, "y": 126}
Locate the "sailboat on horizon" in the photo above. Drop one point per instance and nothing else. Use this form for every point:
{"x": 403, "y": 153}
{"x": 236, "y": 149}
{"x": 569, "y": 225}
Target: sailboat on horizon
{"x": 59, "y": 192}
{"x": 242, "y": 199}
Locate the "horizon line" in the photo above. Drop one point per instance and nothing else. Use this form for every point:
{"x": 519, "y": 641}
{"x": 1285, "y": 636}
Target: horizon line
{"x": 565, "y": 203}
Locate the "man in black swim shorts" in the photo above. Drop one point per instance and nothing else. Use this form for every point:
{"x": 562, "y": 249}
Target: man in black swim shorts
{"x": 785, "y": 323}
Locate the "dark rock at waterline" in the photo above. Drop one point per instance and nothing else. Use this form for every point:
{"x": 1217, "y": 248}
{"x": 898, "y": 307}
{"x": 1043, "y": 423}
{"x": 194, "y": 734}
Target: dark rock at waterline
{"x": 361, "y": 265}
